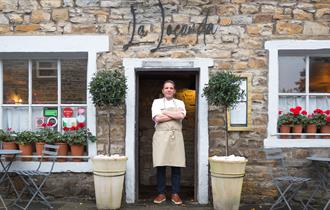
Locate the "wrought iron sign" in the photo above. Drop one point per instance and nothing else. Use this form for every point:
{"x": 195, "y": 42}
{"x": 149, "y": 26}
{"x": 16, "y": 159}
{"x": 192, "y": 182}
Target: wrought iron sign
{"x": 175, "y": 30}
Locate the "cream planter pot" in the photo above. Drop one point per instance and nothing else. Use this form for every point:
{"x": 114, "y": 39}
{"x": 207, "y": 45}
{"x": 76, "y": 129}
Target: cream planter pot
{"x": 109, "y": 173}
{"x": 227, "y": 178}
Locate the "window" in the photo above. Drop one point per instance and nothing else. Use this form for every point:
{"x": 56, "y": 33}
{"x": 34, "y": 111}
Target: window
{"x": 37, "y": 72}
{"x": 30, "y": 99}
{"x": 304, "y": 81}
{"x": 299, "y": 74}
{"x": 239, "y": 117}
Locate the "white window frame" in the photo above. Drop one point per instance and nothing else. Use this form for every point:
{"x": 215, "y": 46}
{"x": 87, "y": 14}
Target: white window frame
{"x": 40, "y": 69}
{"x": 273, "y": 94}
{"x": 91, "y": 44}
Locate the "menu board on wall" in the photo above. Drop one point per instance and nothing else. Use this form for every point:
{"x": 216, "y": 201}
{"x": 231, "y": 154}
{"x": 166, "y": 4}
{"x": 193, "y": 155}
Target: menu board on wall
{"x": 239, "y": 117}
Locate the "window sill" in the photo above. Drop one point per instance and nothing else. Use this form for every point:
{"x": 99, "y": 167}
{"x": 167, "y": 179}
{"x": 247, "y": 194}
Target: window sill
{"x": 273, "y": 142}
{"x": 58, "y": 167}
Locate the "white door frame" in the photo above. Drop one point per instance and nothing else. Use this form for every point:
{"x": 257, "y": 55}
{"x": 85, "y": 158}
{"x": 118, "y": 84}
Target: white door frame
{"x": 130, "y": 64}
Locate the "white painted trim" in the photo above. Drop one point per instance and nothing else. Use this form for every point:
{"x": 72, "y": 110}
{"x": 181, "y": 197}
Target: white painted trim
{"x": 58, "y": 167}
{"x": 92, "y": 44}
{"x": 273, "y": 142}
{"x": 91, "y": 110}
{"x": 297, "y": 44}
{"x": 62, "y": 43}
{"x": 273, "y": 85}
{"x": 203, "y": 138}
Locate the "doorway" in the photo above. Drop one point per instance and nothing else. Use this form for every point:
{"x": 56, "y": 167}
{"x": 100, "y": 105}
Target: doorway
{"x": 131, "y": 67}
{"x": 148, "y": 85}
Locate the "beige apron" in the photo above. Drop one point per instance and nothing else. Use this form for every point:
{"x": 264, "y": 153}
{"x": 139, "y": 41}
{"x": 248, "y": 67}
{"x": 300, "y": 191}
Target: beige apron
{"x": 168, "y": 145}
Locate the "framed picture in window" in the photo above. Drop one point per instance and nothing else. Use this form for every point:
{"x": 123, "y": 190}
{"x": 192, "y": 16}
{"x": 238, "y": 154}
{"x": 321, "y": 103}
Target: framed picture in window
{"x": 239, "y": 117}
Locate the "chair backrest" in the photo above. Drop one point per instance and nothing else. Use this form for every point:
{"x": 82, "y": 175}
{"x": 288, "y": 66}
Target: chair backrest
{"x": 49, "y": 153}
{"x": 276, "y": 155}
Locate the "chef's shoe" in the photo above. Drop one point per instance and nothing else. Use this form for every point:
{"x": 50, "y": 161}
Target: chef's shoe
{"x": 176, "y": 199}
{"x": 160, "y": 199}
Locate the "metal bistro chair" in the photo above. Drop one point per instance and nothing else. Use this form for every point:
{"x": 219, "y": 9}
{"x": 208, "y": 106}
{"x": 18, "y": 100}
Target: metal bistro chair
{"x": 287, "y": 186}
{"x": 29, "y": 177}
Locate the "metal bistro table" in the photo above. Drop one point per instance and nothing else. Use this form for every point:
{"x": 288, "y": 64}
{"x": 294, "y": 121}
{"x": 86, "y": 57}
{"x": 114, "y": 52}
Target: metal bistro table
{"x": 6, "y": 166}
{"x": 322, "y": 169}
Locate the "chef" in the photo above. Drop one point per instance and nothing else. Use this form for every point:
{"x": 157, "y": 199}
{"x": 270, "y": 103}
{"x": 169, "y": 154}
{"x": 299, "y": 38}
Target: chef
{"x": 167, "y": 142}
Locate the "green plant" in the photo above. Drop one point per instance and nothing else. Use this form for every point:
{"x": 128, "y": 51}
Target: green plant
{"x": 321, "y": 117}
{"x": 284, "y": 119}
{"x": 47, "y": 134}
{"x": 224, "y": 90}
{"x": 108, "y": 88}
{"x": 78, "y": 135}
{"x": 26, "y": 137}
{"x": 299, "y": 116}
{"x": 7, "y": 135}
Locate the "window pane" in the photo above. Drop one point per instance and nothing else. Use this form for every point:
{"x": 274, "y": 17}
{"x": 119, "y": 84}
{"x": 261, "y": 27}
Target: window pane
{"x": 319, "y": 75}
{"x": 74, "y": 81}
{"x": 15, "y": 81}
{"x": 286, "y": 102}
{"x": 291, "y": 74}
{"x": 44, "y": 83}
{"x": 44, "y": 115}
{"x": 16, "y": 118}
{"x": 71, "y": 116}
{"x": 321, "y": 102}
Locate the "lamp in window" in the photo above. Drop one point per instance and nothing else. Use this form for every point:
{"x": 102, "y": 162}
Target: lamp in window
{"x": 16, "y": 98}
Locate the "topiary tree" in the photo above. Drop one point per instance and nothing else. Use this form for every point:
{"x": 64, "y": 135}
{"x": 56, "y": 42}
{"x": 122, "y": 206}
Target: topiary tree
{"x": 224, "y": 90}
{"x": 108, "y": 89}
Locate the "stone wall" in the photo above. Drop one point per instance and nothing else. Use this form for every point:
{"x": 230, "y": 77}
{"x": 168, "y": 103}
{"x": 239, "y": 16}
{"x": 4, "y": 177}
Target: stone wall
{"x": 243, "y": 26}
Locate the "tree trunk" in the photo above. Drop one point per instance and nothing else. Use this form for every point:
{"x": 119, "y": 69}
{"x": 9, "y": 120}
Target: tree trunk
{"x": 226, "y": 131}
{"x": 109, "y": 124}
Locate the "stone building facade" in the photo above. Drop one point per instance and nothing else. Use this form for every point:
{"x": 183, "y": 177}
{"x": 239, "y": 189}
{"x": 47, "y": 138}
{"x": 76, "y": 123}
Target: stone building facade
{"x": 232, "y": 33}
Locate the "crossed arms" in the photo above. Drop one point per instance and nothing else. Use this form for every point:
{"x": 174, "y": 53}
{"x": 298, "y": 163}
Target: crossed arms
{"x": 169, "y": 115}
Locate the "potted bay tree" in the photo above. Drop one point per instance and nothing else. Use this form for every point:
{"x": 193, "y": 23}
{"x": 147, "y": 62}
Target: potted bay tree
{"x": 227, "y": 172}
{"x": 108, "y": 90}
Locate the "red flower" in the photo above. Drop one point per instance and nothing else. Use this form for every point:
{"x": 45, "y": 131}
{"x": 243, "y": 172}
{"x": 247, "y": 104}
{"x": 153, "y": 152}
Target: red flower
{"x": 9, "y": 129}
{"x": 65, "y": 128}
{"x": 50, "y": 123}
{"x": 327, "y": 112}
{"x": 292, "y": 109}
{"x": 81, "y": 125}
{"x": 304, "y": 112}
{"x": 43, "y": 124}
{"x": 72, "y": 128}
{"x": 328, "y": 119}
{"x": 279, "y": 112}
{"x": 318, "y": 111}
{"x": 298, "y": 108}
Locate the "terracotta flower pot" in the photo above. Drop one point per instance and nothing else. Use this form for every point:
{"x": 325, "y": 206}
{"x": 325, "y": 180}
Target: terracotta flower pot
{"x": 39, "y": 148}
{"x": 311, "y": 128}
{"x": 325, "y": 129}
{"x": 77, "y": 150}
{"x": 285, "y": 129}
{"x": 62, "y": 151}
{"x": 297, "y": 129}
{"x": 26, "y": 150}
{"x": 9, "y": 146}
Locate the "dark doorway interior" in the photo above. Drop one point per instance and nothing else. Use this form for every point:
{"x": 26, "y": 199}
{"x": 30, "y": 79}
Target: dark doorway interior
{"x": 149, "y": 85}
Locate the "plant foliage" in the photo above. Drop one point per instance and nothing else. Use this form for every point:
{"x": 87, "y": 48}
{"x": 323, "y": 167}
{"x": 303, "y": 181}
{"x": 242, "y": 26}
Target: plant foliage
{"x": 224, "y": 89}
{"x": 26, "y": 137}
{"x": 7, "y": 135}
{"x": 108, "y": 88}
